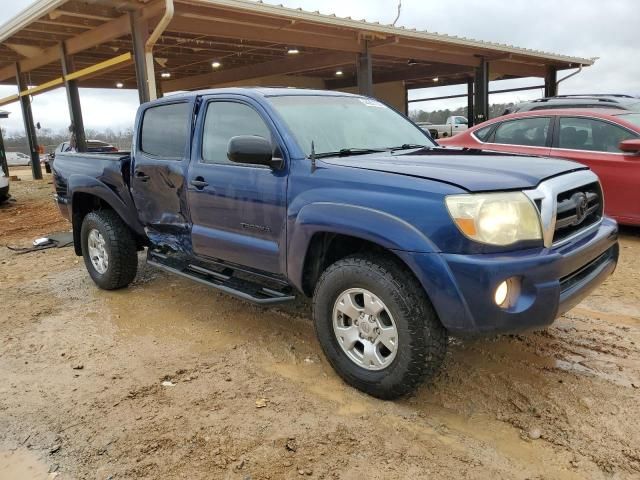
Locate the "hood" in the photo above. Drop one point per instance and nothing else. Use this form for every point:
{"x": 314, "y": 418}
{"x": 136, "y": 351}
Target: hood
{"x": 468, "y": 169}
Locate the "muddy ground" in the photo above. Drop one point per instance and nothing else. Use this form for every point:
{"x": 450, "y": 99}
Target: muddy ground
{"x": 248, "y": 395}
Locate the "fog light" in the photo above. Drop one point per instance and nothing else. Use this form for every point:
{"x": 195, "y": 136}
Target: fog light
{"x": 501, "y": 293}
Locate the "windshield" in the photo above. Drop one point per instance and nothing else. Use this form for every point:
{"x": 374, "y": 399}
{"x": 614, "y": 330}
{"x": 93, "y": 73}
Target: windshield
{"x": 631, "y": 118}
{"x": 343, "y": 124}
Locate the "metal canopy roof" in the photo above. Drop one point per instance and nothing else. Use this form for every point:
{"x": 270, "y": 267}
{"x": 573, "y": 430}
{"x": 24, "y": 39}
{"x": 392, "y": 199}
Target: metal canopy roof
{"x": 250, "y": 40}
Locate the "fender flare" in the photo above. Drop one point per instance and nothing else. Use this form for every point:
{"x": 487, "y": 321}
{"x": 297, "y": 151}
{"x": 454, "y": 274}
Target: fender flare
{"x": 98, "y": 189}
{"x": 381, "y": 228}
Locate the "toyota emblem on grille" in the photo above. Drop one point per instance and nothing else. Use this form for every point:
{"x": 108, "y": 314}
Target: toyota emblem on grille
{"x": 582, "y": 205}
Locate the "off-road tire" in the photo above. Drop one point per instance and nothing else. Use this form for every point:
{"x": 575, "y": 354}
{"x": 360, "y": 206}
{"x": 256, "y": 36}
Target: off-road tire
{"x": 422, "y": 340}
{"x": 121, "y": 249}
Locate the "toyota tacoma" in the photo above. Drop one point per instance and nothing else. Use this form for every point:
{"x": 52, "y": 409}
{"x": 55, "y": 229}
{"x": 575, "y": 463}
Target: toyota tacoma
{"x": 265, "y": 193}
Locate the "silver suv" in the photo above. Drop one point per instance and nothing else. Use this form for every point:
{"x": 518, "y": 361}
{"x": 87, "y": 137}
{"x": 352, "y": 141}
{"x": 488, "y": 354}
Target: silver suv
{"x": 616, "y": 101}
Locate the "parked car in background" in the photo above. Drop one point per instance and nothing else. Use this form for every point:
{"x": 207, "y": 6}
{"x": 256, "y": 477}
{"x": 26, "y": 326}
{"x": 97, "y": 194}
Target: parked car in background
{"x": 93, "y": 146}
{"x": 18, "y": 159}
{"x": 617, "y": 102}
{"x": 453, "y": 125}
{"x": 607, "y": 141}
{"x": 425, "y": 127}
{"x": 4, "y": 187}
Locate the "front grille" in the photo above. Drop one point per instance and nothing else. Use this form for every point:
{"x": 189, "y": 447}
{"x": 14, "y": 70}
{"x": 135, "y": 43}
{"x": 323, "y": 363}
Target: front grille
{"x": 578, "y": 209}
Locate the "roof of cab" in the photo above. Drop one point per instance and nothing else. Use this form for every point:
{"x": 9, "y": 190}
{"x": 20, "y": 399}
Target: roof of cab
{"x": 261, "y": 92}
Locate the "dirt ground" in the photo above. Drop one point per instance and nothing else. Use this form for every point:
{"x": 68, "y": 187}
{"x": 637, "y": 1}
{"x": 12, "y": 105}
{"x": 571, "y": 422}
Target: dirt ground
{"x": 168, "y": 379}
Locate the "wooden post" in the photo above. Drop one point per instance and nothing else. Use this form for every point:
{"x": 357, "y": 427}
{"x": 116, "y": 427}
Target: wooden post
{"x": 481, "y": 93}
{"x": 29, "y": 127}
{"x": 551, "y": 82}
{"x": 470, "y": 117}
{"x": 365, "y": 72}
{"x": 73, "y": 100}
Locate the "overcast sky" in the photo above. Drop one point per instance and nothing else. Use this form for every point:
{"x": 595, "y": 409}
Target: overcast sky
{"x": 586, "y": 28}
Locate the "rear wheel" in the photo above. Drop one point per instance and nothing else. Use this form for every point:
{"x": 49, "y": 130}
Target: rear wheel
{"x": 109, "y": 250}
{"x": 377, "y": 326}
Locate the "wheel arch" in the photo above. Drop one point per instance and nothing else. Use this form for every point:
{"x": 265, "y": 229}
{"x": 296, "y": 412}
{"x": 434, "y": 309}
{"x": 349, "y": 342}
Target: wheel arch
{"x": 88, "y": 194}
{"x": 324, "y": 233}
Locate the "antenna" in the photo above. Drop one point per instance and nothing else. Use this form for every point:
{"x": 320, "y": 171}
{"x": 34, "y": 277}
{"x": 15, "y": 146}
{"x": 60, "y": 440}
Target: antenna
{"x": 313, "y": 157}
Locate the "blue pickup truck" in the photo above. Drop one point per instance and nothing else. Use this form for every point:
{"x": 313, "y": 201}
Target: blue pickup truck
{"x": 264, "y": 193}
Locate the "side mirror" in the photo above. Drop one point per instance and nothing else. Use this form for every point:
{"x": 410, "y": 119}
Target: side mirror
{"x": 631, "y": 146}
{"x": 250, "y": 149}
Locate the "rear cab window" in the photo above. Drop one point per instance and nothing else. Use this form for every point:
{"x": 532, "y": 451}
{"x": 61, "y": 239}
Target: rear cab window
{"x": 165, "y": 130}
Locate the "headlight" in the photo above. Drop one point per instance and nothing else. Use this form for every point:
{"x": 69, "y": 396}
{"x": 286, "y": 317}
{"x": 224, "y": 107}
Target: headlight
{"x": 495, "y": 218}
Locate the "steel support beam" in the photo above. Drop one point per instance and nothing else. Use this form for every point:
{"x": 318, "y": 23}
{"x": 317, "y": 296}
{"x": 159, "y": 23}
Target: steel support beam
{"x": 470, "y": 103}
{"x": 73, "y": 100}
{"x": 29, "y": 127}
{"x": 481, "y": 93}
{"x": 139, "y": 36}
{"x": 365, "y": 72}
{"x": 551, "y": 82}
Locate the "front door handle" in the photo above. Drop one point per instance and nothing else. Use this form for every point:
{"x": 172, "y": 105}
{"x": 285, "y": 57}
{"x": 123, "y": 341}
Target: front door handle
{"x": 199, "y": 183}
{"x": 142, "y": 176}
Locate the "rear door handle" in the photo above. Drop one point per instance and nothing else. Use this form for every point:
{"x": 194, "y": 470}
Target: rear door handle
{"x": 142, "y": 177}
{"x": 199, "y": 183}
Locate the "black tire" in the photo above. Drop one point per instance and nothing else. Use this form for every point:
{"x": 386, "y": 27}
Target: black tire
{"x": 422, "y": 340}
{"x": 119, "y": 245}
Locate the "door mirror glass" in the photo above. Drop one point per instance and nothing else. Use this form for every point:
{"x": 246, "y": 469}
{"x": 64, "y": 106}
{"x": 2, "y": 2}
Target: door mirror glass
{"x": 631, "y": 146}
{"x": 250, "y": 149}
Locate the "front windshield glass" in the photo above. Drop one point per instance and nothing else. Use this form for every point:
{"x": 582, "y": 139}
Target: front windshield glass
{"x": 631, "y": 117}
{"x": 336, "y": 124}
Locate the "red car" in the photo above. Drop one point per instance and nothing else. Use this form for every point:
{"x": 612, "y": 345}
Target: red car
{"x": 607, "y": 141}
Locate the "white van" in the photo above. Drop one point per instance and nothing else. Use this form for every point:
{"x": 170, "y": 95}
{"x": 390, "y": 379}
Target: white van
{"x": 17, "y": 159}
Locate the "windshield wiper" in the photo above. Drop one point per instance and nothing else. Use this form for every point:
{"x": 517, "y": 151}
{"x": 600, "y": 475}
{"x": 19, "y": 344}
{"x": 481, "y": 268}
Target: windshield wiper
{"x": 347, "y": 152}
{"x": 408, "y": 146}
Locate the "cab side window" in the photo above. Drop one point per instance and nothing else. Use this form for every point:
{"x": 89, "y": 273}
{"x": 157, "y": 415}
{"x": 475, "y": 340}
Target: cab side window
{"x": 530, "y": 132}
{"x": 225, "y": 120}
{"x": 165, "y": 130}
{"x": 578, "y": 133}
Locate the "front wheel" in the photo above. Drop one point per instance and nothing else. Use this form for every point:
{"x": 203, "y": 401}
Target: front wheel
{"x": 377, "y": 326}
{"x": 109, "y": 250}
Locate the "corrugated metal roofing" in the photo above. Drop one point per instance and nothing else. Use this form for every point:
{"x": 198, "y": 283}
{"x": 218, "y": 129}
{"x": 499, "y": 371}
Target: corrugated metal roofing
{"x": 389, "y": 29}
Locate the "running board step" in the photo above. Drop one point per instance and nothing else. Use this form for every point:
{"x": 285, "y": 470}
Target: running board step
{"x": 224, "y": 281}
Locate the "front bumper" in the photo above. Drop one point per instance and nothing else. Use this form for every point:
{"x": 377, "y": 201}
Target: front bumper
{"x": 552, "y": 281}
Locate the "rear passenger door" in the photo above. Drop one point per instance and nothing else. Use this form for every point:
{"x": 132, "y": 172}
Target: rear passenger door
{"x": 238, "y": 211}
{"x": 161, "y": 157}
{"x": 594, "y": 142}
{"x": 531, "y": 135}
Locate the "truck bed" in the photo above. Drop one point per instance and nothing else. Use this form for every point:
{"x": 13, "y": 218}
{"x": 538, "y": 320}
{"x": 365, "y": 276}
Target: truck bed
{"x": 87, "y": 170}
